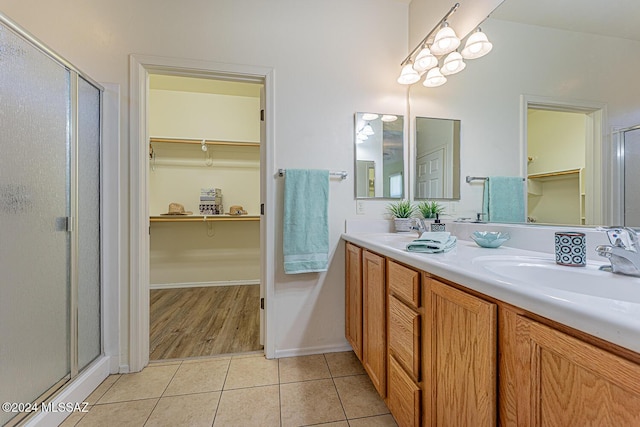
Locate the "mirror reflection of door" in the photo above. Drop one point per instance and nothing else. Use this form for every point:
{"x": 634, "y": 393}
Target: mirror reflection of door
{"x": 365, "y": 178}
{"x": 437, "y": 158}
{"x": 430, "y": 175}
{"x": 556, "y": 166}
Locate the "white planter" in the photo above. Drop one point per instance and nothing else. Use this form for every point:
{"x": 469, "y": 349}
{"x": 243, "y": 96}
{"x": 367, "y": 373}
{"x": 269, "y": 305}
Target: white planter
{"x": 403, "y": 225}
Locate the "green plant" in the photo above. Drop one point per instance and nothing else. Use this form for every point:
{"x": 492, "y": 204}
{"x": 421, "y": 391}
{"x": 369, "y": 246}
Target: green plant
{"x": 401, "y": 209}
{"x": 429, "y": 209}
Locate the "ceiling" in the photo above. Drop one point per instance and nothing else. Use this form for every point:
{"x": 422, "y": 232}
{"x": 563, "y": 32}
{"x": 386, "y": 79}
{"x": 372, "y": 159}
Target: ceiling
{"x": 617, "y": 18}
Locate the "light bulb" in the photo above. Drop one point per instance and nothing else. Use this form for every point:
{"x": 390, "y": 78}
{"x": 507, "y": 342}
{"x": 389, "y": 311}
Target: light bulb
{"x": 425, "y": 61}
{"x": 477, "y": 45}
{"x": 445, "y": 41}
{"x": 434, "y": 78}
{"x": 453, "y": 64}
{"x": 408, "y": 75}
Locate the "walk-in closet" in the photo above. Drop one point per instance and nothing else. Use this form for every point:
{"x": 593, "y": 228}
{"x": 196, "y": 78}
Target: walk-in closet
{"x": 204, "y": 206}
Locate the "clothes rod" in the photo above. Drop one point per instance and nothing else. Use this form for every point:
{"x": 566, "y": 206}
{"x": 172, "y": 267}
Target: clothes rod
{"x": 341, "y": 174}
{"x": 481, "y": 178}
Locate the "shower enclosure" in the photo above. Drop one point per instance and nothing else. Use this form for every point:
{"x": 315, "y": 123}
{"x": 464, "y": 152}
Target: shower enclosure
{"x": 631, "y": 164}
{"x": 50, "y": 273}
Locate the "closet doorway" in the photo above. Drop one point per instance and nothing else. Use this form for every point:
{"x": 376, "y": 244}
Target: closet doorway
{"x": 204, "y": 212}
{"x": 562, "y": 147}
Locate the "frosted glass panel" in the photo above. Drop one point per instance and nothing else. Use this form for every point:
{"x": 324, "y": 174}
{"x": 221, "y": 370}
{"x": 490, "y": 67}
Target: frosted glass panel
{"x": 631, "y": 178}
{"x": 34, "y": 175}
{"x": 89, "y": 344}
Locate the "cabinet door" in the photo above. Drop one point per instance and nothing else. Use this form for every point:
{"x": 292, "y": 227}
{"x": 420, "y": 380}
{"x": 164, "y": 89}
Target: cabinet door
{"x": 460, "y": 358}
{"x": 374, "y": 340}
{"x": 564, "y": 381}
{"x": 353, "y": 298}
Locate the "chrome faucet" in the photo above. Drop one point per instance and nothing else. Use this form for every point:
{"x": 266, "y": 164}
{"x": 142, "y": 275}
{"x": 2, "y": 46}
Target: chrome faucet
{"x": 623, "y": 253}
{"x": 420, "y": 226}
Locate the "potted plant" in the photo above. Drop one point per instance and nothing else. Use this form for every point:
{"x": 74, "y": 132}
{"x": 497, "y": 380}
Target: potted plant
{"x": 402, "y": 212}
{"x": 429, "y": 209}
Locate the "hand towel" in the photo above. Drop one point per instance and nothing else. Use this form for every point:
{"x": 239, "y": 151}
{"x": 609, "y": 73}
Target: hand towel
{"x": 503, "y": 199}
{"x": 306, "y": 221}
{"x": 433, "y": 242}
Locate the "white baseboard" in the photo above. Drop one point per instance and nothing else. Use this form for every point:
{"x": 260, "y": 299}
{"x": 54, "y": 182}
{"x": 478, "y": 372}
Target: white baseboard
{"x": 292, "y": 352}
{"x": 204, "y": 284}
{"x": 74, "y": 392}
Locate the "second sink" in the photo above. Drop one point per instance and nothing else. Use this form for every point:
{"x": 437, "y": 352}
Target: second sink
{"x": 545, "y": 273}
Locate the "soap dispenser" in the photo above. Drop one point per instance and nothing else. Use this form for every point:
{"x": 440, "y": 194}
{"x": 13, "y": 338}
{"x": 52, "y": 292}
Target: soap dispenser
{"x": 437, "y": 225}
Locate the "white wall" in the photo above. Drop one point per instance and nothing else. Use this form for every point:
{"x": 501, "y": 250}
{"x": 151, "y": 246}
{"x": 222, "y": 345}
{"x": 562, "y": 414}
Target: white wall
{"x": 331, "y": 59}
{"x": 555, "y": 141}
{"x": 176, "y": 114}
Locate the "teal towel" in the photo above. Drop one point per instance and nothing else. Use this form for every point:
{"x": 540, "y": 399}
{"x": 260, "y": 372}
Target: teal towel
{"x": 503, "y": 199}
{"x": 306, "y": 221}
{"x": 433, "y": 242}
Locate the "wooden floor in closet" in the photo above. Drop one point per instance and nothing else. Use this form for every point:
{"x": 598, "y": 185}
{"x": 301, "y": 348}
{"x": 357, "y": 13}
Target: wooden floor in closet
{"x": 197, "y": 322}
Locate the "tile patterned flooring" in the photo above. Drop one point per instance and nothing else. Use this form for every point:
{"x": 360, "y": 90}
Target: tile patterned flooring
{"x": 329, "y": 390}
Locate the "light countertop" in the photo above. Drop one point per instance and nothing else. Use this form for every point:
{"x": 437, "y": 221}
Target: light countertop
{"x": 613, "y": 319}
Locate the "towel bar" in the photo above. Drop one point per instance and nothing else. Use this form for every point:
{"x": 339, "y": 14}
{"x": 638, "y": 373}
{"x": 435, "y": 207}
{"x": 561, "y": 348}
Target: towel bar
{"x": 480, "y": 178}
{"x": 341, "y": 174}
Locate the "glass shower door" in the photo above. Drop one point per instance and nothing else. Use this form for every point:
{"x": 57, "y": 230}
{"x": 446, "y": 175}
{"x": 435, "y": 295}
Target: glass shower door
{"x": 34, "y": 207}
{"x": 631, "y": 177}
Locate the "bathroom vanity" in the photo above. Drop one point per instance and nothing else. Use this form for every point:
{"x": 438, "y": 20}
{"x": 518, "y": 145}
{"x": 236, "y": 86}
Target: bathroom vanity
{"x": 492, "y": 336}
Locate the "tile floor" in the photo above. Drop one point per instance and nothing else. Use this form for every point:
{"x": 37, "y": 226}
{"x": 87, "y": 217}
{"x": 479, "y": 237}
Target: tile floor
{"x": 248, "y": 390}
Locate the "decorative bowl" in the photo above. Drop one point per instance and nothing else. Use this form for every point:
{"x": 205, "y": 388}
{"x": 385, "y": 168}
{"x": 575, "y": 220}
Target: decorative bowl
{"x": 490, "y": 239}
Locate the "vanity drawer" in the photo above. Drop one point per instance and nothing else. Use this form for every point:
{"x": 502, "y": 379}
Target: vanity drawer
{"x": 404, "y": 283}
{"x": 404, "y": 396}
{"x": 404, "y": 336}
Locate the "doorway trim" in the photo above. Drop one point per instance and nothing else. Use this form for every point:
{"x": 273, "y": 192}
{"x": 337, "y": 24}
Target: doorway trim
{"x": 596, "y": 157}
{"x": 139, "y": 67}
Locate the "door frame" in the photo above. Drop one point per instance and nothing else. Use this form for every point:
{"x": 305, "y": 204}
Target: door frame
{"x": 596, "y": 157}
{"x": 139, "y": 67}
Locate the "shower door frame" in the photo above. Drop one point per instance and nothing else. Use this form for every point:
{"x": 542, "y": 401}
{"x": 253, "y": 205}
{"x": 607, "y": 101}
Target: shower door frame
{"x": 79, "y": 383}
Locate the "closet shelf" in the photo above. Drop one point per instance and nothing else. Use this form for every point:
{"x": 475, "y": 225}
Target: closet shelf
{"x": 202, "y": 218}
{"x": 558, "y": 174}
{"x": 206, "y": 141}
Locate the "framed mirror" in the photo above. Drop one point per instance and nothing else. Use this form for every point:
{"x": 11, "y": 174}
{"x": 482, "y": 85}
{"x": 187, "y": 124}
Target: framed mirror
{"x": 437, "y": 159}
{"x": 379, "y": 145}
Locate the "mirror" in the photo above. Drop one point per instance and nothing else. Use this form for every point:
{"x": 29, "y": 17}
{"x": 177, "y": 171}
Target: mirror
{"x": 547, "y": 56}
{"x": 379, "y": 144}
{"x": 437, "y": 159}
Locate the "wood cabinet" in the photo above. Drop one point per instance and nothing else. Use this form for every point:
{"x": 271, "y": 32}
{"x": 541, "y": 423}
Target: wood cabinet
{"x": 374, "y": 320}
{"x": 353, "y": 298}
{"x": 444, "y": 355}
{"x": 562, "y": 380}
{"x": 404, "y": 344}
{"x": 460, "y": 364}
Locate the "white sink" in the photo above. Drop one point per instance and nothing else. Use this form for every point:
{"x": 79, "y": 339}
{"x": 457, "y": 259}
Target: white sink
{"x": 545, "y": 273}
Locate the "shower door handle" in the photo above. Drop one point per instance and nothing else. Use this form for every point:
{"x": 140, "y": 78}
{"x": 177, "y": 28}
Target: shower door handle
{"x": 63, "y": 223}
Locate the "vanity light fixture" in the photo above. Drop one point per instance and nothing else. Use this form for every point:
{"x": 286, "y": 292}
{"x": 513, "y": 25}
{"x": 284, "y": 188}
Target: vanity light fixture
{"x": 434, "y": 78}
{"x": 367, "y": 130}
{"x": 477, "y": 45}
{"x": 369, "y": 116}
{"x": 408, "y": 75}
{"x": 446, "y": 40}
{"x": 388, "y": 118}
{"x": 425, "y": 60}
{"x": 437, "y": 56}
{"x": 453, "y": 64}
